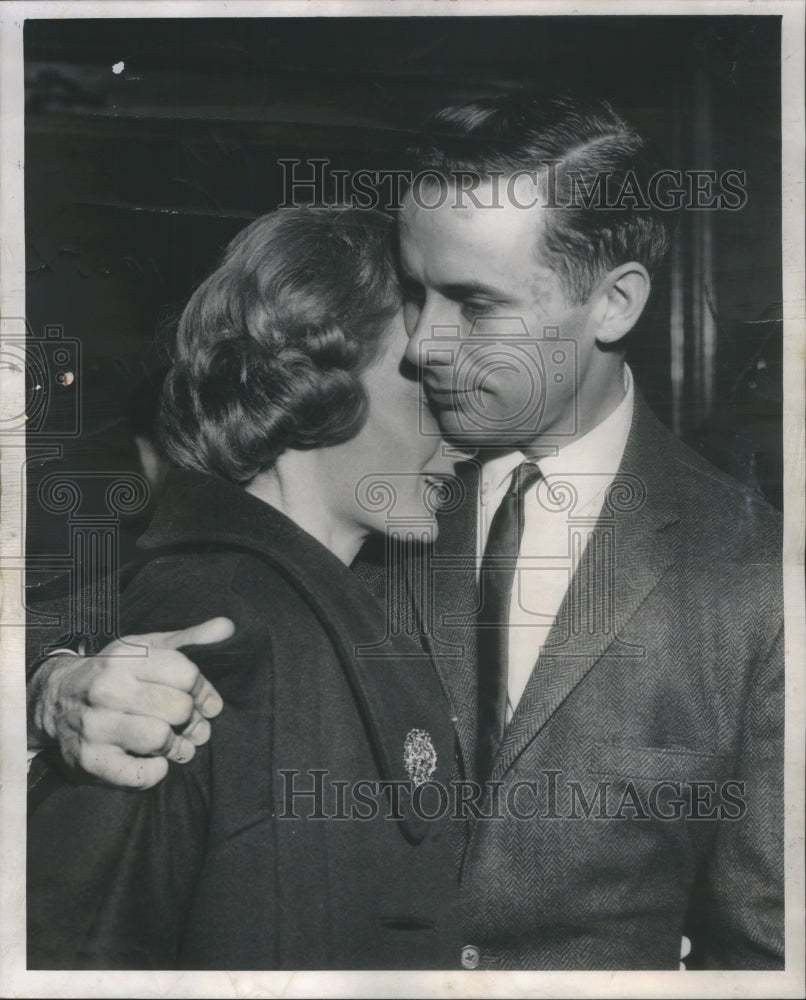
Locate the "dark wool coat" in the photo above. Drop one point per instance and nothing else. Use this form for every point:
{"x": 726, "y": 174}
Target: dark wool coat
{"x": 658, "y": 693}
{"x": 210, "y": 870}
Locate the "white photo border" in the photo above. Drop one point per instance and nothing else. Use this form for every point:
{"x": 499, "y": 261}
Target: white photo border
{"x": 15, "y": 980}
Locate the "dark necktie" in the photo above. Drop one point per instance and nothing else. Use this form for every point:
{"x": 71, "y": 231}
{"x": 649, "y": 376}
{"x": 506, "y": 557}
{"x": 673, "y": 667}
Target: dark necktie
{"x": 495, "y": 580}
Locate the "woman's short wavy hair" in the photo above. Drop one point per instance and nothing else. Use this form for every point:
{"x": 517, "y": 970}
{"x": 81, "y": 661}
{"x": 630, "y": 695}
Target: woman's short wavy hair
{"x": 268, "y": 353}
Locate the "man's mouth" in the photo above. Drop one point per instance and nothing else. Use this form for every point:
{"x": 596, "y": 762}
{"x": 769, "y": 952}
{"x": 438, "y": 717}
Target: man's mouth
{"x": 442, "y": 391}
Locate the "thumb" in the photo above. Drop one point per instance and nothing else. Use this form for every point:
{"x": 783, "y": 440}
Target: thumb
{"x": 213, "y": 630}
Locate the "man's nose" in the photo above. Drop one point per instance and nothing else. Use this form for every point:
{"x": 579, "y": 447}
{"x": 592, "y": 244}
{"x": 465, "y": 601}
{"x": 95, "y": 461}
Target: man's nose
{"x": 418, "y": 341}
{"x": 432, "y": 341}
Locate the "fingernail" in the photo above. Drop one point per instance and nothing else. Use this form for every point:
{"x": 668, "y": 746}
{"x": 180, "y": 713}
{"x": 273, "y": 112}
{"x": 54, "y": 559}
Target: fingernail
{"x": 185, "y": 753}
{"x": 210, "y": 705}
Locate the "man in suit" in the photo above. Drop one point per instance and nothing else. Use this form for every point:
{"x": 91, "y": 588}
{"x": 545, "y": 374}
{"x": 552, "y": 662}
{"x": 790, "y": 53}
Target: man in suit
{"x": 603, "y": 606}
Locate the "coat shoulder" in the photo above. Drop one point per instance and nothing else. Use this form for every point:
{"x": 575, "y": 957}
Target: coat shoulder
{"x": 721, "y": 513}
{"x": 274, "y": 624}
{"x": 204, "y": 583}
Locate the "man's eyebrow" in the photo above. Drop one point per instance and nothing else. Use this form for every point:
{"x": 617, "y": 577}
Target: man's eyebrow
{"x": 457, "y": 291}
{"x": 469, "y": 289}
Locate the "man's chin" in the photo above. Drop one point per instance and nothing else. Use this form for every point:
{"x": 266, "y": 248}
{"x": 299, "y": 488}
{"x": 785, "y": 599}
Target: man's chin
{"x": 467, "y": 433}
{"x": 467, "y": 441}
{"x": 461, "y": 434}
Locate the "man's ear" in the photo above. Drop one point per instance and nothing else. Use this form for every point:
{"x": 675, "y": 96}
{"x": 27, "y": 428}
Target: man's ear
{"x": 622, "y": 295}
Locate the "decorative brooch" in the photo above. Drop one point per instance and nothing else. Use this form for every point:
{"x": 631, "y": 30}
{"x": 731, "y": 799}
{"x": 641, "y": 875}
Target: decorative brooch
{"x": 419, "y": 756}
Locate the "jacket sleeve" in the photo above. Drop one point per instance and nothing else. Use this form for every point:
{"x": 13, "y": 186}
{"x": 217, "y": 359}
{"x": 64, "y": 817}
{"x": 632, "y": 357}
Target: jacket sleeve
{"x": 48, "y": 625}
{"x": 111, "y": 872}
{"x": 745, "y": 873}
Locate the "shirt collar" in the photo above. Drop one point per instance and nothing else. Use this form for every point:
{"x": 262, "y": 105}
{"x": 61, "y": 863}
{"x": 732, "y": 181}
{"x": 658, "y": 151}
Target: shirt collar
{"x": 595, "y": 455}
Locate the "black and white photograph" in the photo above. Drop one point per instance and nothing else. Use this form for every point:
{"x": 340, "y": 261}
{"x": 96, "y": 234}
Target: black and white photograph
{"x": 402, "y": 452}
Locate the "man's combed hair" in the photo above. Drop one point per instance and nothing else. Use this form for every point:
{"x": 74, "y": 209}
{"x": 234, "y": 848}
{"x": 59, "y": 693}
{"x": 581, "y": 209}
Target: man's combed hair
{"x": 589, "y": 162}
{"x": 268, "y": 351}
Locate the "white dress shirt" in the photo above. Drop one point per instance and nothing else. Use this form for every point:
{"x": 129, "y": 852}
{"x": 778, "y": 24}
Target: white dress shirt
{"x": 548, "y": 557}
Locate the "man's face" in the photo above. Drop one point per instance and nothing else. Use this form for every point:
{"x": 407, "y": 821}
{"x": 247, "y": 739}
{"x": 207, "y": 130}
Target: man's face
{"x": 502, "y": 354}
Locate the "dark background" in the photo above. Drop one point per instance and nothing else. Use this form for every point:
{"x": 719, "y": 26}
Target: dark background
{"x": 135, "y": 181}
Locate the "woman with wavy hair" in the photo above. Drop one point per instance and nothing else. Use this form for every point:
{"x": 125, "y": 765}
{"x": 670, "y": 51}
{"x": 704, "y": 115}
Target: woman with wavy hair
{"x": 299, "y": 837}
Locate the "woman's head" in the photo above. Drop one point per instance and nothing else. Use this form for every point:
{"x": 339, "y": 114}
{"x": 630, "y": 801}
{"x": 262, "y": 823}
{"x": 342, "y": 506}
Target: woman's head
{"x": 269, "y": 351}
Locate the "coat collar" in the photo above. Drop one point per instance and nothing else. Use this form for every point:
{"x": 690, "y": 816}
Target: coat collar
{"x": 198, "y": 510}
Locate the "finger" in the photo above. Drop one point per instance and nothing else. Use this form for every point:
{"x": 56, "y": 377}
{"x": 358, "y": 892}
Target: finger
{"x": 136, "y": 734}
{"x": 121, "y": 692}
{"x": 163, "y": 666}
{"x": 174, "y": 669}
{"x": 112, "y": 765}
{"x": 181, "y": 750}
{"x": 197, "y": 730}
{"x": 213, "y": 630}
{"x": 139, "y": 734}
{"x": 205, "y": 697}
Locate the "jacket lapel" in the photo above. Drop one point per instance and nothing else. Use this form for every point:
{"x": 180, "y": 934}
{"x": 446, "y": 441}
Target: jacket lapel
{"x": 631, "y": 548}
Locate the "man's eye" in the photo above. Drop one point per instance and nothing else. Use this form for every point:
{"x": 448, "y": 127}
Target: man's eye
{"x": 472, "y": 308}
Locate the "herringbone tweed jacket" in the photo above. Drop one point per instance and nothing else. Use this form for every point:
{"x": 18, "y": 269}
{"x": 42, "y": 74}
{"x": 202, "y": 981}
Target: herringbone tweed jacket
{"x": 640, "y": 780}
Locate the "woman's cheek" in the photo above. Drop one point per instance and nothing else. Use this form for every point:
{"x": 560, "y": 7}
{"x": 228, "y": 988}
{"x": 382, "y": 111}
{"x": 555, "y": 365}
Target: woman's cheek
{"x": 428, "y": 425}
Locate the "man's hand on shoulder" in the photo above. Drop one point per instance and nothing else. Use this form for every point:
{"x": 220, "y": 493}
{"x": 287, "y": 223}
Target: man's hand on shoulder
{"x": 121, "y": 715}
